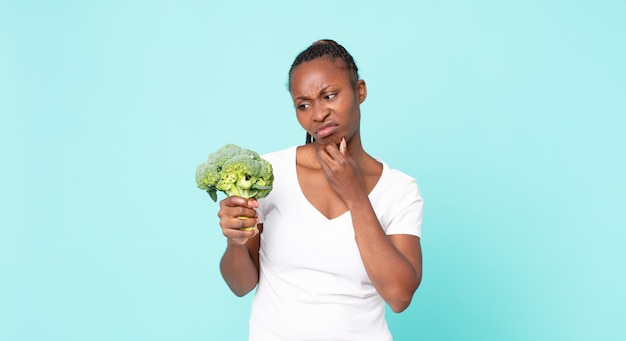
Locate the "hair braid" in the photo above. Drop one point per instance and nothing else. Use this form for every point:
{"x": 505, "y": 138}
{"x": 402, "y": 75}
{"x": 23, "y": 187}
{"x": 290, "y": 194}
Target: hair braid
{"x": 330, "y": 49}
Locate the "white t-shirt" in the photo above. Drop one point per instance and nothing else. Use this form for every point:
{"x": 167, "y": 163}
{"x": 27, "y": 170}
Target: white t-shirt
{"x": 313, "y": 284}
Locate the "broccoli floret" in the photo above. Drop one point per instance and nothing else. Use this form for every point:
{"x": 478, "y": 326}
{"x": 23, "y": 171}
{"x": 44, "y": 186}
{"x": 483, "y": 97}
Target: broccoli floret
{"x": 235, "y": 171}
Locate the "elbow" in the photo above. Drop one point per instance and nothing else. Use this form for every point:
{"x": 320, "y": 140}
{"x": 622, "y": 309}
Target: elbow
{"x": 401, "y": 301}
{"x": 241, "y": 291}
{"x": 400, "y": 305}
{"x": 240, "y": 286}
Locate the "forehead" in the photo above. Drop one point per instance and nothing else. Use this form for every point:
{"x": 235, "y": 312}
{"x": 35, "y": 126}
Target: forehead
{"x": 318, "y": 73}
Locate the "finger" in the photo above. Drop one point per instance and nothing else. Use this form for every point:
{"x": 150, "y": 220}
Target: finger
{"x": 324, "y": 159}
{"x": 234, "y": 200}
{"x": 343, "y": 148}
{"x": 236, "y": 211}
{"x": 334, "y": 152}
{"x": 240, "y": 234}
{"x": 328, "y": 153}
{"x": 236, "y": 223}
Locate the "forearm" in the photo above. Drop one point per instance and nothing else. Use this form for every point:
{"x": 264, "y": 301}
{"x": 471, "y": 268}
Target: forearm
{"x": 392, "y": 274}
{"x": 239, "y": 269}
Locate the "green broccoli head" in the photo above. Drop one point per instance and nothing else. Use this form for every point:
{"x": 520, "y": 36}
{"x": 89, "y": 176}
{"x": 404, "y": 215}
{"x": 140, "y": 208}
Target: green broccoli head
{"x": 235, "y": 171}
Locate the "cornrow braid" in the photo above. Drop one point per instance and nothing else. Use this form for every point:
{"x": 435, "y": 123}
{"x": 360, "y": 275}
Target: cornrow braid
{"x": 330, "y": 49}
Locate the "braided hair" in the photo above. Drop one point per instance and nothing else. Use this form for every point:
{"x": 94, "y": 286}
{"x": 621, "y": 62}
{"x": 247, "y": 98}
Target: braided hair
{"x": 330, "y": 49}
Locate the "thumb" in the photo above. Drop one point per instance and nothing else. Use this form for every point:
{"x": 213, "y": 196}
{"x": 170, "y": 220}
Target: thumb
{"x": 252, "y": 202}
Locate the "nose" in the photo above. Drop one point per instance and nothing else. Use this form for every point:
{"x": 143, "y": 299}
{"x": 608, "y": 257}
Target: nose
{"x": 321, "y": 112}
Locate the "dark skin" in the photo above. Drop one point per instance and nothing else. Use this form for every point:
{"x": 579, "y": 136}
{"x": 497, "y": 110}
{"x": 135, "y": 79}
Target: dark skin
{"x": 336, "y": 175}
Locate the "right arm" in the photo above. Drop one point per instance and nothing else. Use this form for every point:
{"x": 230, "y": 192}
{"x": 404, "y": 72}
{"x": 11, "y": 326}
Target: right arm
{"x": 240, "y": 263}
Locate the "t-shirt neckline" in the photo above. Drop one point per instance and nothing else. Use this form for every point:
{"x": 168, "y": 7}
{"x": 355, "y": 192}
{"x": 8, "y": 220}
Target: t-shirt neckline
{"x": 310, "y": 206}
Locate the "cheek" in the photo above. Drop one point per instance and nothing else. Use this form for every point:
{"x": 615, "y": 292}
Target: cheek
{"x": 300, "y": 119}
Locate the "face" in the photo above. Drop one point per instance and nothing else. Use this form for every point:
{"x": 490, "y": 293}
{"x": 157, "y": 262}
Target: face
{"x": 326, "y": 100}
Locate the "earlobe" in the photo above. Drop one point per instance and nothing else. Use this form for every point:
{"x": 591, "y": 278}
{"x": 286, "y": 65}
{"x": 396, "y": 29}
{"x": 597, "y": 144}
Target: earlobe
{"x": 361, "y": 90}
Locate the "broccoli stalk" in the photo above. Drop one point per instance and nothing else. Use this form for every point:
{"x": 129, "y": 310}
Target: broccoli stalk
{"x": 235, "y": 171}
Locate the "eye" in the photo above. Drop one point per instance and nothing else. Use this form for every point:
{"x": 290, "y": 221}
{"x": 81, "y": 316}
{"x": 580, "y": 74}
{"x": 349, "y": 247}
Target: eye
{"x": 302, "y": 106}
{"x": 329, "y": 97}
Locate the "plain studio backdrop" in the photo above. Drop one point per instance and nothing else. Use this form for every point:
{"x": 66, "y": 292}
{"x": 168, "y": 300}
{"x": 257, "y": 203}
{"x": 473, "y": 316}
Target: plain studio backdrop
{"x": 511, "y": 115}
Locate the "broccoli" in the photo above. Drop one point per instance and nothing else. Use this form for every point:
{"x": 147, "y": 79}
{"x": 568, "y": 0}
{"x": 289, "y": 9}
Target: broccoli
{"x": 235, "y": 171}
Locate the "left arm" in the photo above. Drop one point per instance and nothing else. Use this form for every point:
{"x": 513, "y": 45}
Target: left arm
{"x": 393, "y": 263}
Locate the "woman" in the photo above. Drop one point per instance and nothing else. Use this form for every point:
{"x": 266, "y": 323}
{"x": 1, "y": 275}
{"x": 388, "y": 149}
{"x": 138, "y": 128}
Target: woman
{"x": 338, "y": 236}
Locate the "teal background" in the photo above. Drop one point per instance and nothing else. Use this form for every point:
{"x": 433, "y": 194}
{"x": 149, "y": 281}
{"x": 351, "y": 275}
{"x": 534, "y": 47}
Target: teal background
{"x": 511, "y": 116}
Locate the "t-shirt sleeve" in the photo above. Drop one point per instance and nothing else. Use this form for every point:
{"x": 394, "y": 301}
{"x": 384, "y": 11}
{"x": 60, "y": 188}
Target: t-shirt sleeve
{"x": 407, "y": 213}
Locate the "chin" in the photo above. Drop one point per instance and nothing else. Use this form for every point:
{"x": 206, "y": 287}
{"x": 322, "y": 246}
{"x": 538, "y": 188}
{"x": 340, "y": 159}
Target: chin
{"x": 330, "y": 140}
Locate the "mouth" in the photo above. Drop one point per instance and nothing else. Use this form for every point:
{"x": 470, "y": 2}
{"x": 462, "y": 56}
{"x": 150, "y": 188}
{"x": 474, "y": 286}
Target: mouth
{"x": 326, "y": 130}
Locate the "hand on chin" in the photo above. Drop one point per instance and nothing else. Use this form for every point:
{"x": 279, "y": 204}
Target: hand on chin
{"x": 339, "y": 143}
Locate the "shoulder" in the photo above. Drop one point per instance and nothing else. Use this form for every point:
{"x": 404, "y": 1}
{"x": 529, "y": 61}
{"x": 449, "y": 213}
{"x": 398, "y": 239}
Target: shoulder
{"x": 396, "y": 187}
{"x": 283, "y": 167}
{"x": 398, "y": 202}
{"x": 393, "y": 177}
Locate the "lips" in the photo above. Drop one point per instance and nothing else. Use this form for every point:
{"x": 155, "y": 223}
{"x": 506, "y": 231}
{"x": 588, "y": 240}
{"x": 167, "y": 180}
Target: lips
{"x": 326, "y": 129}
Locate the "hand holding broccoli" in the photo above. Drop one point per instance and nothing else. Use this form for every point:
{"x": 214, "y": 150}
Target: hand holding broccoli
{"x": 235, "y": 171}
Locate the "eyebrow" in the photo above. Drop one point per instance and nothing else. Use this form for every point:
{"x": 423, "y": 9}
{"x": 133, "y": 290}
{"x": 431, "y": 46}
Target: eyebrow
{"x": 319, "y": 93}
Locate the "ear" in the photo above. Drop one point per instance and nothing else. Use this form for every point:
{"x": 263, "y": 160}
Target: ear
{"x": 361, "y": 90}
